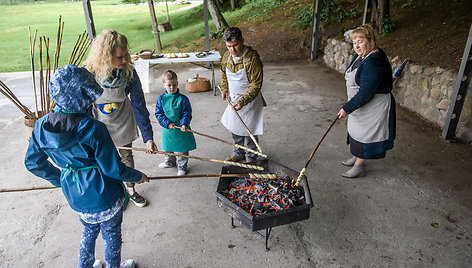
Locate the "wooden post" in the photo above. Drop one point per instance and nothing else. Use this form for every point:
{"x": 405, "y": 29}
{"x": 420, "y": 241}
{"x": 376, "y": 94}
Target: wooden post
{"x": 167, "y": 11}
{"x": 315, "y": 29}
{"x": 367, "y": 12}
{"x": 460, "y": 91}
{"x": 207, "y": 34}
{"x": 155, "y": 30}
{"x": 89, "y": 19}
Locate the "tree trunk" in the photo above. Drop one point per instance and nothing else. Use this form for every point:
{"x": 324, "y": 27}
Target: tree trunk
{"x": 380, "y": 10}
{"x": 216, "y": 15}
{"x": 155, "y": 29}
{"x": 234, "y": 4}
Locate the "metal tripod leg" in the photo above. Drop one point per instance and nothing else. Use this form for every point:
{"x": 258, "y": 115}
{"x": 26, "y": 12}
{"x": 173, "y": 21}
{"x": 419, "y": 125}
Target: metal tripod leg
{"x": 267, "y": 235}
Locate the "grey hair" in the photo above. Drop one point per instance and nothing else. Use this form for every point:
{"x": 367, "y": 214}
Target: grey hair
{"x": 232, "y": 34}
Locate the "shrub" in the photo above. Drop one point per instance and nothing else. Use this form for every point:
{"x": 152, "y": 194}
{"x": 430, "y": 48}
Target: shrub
{"x": 304, "y": 18}
{"x": 388, "y": 26}
{"x": 333, "y": 11}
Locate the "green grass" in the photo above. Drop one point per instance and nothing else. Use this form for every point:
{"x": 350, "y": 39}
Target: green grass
{"x": 131, "y": 20}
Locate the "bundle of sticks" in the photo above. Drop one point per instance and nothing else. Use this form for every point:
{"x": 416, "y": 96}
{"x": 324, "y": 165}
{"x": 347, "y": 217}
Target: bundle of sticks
{"x": 43, "y": 103}
{"x": 81, "y": 46}
{"x": 45, "y": 73}
{"x": 9, "y": 94}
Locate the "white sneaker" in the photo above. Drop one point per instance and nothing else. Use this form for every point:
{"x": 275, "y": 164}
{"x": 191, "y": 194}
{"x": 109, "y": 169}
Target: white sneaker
{"x": 165, "y": 165}
{"x": 128, "y": 264}
{"x": 98, "y": 264}
{"x": 181, "y": 172}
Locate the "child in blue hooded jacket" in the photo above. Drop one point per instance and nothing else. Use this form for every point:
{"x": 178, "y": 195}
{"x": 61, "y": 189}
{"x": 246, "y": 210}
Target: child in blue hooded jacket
{"x": 174, "y": 113}
{"x": 90, "y": 171}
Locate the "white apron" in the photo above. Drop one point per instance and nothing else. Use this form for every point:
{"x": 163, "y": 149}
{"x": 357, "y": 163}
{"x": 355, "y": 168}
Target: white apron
{"x": 121, "y": 122}
{"x": 251, "y": 113}
{"x": 369, "y": 123}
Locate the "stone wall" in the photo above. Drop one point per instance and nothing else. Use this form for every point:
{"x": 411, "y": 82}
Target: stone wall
{"x": 421, "y": 89}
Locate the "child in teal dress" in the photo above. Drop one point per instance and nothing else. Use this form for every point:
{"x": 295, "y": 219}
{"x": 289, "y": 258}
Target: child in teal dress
{"x": 173, "y": 110}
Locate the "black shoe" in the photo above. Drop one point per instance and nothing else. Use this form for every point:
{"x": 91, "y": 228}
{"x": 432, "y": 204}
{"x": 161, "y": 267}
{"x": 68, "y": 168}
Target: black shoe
{"x": 234, "y": 158}
{"x": 138, "y": 200}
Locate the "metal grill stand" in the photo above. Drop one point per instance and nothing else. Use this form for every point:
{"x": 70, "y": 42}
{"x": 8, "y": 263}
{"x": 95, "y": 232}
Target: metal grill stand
{"x": 266, "y": 236}
{"x": 265, "y": 221}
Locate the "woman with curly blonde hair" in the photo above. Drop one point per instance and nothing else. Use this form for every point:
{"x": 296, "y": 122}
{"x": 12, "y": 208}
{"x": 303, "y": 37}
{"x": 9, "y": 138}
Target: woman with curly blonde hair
{"x": 122, "y": 105}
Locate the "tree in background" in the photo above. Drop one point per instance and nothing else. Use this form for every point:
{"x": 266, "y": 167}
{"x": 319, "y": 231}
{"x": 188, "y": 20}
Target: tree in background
{"x": 234, "y": 4}
{"x": 381, "y": 16}
{"x": 216, "y": 15}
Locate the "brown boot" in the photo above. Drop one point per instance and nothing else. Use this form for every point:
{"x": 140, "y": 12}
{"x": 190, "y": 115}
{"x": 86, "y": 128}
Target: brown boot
{"x": 355, "y": 171}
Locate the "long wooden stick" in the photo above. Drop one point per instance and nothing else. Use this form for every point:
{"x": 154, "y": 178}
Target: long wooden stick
{"x": 251, "y": 175}
{"x": 89, "y": 42}
{"x": 41, "y": 76}
{"x": 74, "y": 49}
{"x": 60, "y": 31}
{"x": 79, "y": 45}
{"x": 48, "y": 78}
{"x": 28, "y": 189}
{"x": 227, "y": 142}
{"x": 32, "y": 45}
{"x": 302, "y": 172}
{"x": 218, "y": 139}
{"x": 242, "y": 122}
{"x": 9, "y": 94}
{"x": 198, "y": 158}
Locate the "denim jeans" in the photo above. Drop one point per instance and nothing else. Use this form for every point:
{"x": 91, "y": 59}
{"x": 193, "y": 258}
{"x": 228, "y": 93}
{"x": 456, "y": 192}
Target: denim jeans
{"x": 181, "y": 161}
{"x": 111, "y": 234}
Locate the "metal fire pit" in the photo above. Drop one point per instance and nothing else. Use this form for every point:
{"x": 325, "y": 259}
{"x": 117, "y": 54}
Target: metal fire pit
{"x": 266, "y": 220}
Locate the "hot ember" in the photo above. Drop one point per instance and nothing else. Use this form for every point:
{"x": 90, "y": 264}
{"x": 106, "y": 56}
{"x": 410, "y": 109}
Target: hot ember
{"x": 258, "y": 196}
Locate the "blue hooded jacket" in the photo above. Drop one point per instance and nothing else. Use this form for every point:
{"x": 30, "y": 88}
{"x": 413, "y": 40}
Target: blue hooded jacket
{"x": 90, "y": 170}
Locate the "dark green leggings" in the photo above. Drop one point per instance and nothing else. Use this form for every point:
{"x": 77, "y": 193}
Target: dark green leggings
{"x": 127, "y": 159}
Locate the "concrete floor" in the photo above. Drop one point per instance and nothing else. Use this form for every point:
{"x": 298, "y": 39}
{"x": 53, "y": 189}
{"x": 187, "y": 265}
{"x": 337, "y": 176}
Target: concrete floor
{"x": 413, "y": 209}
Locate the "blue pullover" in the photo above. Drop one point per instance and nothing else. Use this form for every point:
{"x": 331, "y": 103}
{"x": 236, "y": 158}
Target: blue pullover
{"x": 135, "y": 91}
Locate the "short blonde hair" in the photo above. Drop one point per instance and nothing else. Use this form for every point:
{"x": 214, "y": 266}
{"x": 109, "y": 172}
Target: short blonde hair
{"x": 169, "y": 75}
{"x": 99, "y": 60}
{"x": 365, "y": 31}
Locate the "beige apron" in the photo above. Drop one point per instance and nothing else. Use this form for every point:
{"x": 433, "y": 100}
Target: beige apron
{"x": 121, "y": 122}
{"x": 369, "y": 123}
{"x": 251, "y": 113}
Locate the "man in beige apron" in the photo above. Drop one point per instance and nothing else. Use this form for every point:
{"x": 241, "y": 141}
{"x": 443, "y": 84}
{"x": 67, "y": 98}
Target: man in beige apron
{"x": 241, "y": 82}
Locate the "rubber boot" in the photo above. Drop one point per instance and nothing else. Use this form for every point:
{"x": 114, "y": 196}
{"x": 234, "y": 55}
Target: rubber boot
{"x": 355, "y": 171}
{"x": 349, "y": 162}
